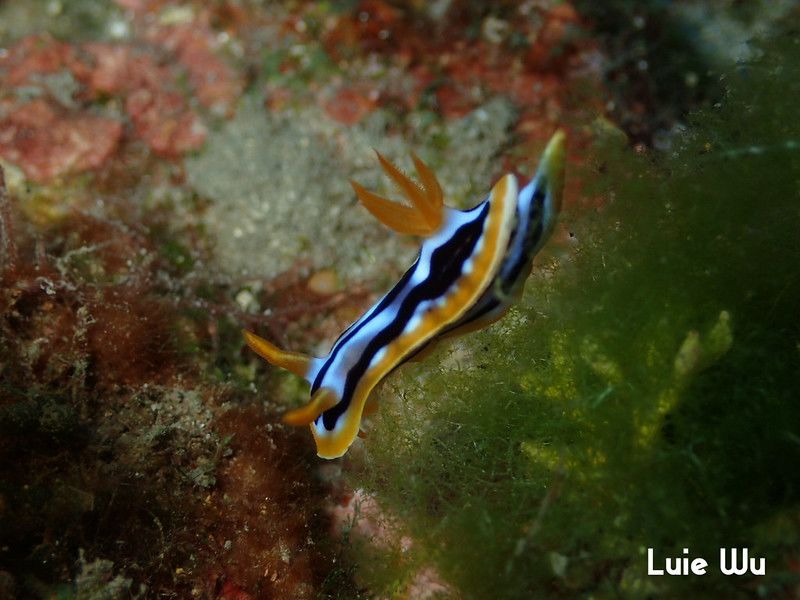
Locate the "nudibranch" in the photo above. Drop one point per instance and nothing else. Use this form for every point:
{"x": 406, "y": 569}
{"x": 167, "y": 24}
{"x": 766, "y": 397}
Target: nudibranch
{"x": 471, "y": 267}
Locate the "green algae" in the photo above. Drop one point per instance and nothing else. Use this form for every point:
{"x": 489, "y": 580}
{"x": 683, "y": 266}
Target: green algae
{"x": 73, "y": 19}
{"x": 644, "y": 393}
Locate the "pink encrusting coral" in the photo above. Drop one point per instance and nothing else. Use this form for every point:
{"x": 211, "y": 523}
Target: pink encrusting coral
{"x": 216, "y": 85}
{"x": 47, "y": 140}
{"x": 66, "y": 127}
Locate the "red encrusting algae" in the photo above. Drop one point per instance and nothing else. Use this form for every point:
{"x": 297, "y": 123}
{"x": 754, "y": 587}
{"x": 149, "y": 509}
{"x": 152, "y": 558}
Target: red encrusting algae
{"x": 64, "y": 129}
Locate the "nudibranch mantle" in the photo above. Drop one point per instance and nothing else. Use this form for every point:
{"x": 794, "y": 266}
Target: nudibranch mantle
{"x": 471, "y": 266}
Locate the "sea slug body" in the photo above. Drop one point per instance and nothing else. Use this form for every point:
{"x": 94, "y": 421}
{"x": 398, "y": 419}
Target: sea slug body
{"x": 471, "y": 267}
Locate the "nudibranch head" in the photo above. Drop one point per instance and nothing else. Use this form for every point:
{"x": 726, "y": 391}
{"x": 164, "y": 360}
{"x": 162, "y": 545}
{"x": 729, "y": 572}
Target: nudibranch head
{"x": 552, "y": 167}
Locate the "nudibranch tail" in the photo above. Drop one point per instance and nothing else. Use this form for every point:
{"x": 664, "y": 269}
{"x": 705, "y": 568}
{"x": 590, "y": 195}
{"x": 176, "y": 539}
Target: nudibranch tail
{"x": 426, "y": 214}
{"x": 322, "y": 400}
{"x": 297, "y": 363}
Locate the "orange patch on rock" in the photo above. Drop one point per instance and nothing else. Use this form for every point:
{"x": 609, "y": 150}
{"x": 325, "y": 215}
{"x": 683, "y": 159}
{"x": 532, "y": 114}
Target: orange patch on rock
{"x": 323, "y": 283}
{"x": 453, "y": 101}
{"x": 349, "y": 106}
{"x": 372, "y": 26}
{"x": 276, "y": 97}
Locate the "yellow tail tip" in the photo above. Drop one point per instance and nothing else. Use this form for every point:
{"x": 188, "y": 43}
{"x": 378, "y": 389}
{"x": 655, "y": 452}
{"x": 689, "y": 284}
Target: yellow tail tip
{"x": 291, "y": 361}
{"x": 322, "y": 400}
